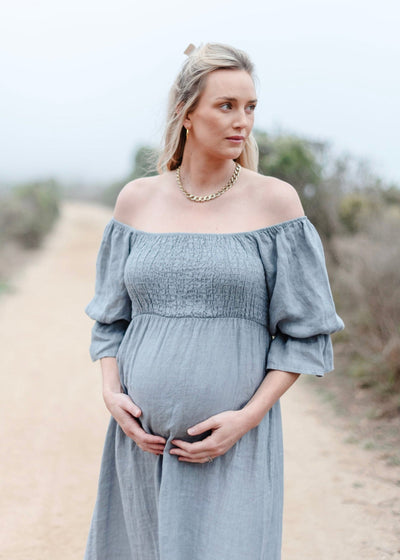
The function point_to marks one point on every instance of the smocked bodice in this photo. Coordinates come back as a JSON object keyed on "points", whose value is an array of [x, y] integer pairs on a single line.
{"points": [[196, 276]]}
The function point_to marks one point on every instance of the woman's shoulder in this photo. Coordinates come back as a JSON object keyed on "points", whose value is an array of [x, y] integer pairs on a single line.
{"points": [[278, 199], [133, 197]]}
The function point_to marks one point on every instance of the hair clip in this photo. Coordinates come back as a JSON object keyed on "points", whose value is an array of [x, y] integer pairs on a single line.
{"points": [[189, 49]]}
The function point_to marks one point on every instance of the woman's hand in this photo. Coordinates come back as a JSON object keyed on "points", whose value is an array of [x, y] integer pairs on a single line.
{"points": [[227, 428], [125, 412]]}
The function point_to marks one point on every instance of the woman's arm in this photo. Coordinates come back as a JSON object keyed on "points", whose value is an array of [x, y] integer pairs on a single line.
{"points": [[124, 410], [274, 385], [228, 427]]}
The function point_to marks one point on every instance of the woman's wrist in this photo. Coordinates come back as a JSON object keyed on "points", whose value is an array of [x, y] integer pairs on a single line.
{"points": [[273, 386], [250, 416], [111, 379], [109, 391]]}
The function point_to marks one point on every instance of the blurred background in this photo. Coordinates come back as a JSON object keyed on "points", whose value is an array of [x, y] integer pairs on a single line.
{"points": [[83, 98]]}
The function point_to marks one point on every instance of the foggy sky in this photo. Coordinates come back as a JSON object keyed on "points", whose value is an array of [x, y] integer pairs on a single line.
{"points": [[84, 82]]}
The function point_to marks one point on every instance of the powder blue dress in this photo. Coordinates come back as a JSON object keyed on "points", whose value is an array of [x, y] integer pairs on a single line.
{"points": [[196, 321]]}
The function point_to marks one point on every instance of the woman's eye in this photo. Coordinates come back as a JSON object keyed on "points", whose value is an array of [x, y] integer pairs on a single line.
{"points": [[251, 107], [226, 106]]}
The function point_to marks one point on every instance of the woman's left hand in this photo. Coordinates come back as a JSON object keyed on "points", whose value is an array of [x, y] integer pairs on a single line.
{"points": [[227, 428]]}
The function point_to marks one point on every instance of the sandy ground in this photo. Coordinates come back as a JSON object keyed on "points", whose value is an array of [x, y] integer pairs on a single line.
{"points": [[341, 501]]}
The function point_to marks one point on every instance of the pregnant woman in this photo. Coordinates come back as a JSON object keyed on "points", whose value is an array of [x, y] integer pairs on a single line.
{"points": [[211, 298]]}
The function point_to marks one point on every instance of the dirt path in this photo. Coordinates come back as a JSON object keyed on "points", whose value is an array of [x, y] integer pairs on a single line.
{"points": [[341, 503]]}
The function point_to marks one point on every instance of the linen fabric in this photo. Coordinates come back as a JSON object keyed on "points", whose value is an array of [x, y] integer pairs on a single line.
{"points": [[196, 321]]}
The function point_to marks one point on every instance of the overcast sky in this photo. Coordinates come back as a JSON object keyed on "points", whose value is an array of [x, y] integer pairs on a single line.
{"points": [[84, 82]]}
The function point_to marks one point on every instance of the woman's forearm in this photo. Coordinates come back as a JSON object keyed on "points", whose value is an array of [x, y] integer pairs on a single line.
{"points": [[273, 386], [110, 372]]}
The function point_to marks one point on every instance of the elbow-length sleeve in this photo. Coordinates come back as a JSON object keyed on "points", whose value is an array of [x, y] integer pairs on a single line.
{"points": [[301, 312], [111, 306]]}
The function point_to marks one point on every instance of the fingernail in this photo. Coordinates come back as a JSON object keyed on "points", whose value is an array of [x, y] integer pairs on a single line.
{"points": [[191, 431]]}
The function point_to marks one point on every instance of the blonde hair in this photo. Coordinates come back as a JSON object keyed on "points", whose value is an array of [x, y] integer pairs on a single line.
{"points": [[185, 94]]}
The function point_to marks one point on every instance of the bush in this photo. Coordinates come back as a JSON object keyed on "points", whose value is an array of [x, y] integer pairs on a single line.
{"points": [[358, 208], [28, 213], [368, 282]]}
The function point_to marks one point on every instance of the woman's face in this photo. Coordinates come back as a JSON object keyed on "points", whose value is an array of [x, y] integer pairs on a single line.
{"points": [[224, 115]]}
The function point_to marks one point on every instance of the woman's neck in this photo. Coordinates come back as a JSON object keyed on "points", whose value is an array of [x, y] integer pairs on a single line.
{"points": [[202, 175]]}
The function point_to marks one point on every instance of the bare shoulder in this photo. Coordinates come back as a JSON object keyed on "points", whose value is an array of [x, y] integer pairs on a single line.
{"points": [[132, 198], [279, 198]]}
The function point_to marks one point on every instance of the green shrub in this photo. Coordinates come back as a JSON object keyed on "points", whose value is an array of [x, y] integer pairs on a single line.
{"points": [[29, 212], [355, 210]]}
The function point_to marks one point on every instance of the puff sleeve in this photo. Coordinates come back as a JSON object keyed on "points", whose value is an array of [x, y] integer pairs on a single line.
{"points": [[301, 312], [111, 306]]}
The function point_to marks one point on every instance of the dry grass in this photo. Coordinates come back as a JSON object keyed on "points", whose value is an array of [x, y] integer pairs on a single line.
{"points": [[365, 387]]}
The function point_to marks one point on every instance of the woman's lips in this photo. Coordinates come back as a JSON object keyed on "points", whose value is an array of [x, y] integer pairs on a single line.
{"points": [[236, 139]]}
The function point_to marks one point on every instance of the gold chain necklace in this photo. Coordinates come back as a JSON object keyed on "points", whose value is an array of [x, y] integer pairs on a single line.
{"points": [[195, 198]]}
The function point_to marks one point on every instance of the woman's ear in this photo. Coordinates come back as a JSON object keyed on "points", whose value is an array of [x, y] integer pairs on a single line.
{"points": [[187, 123]]}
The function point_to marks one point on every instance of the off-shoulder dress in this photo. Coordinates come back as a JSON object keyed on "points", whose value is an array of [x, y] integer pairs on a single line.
{"points": [[196, 321]]}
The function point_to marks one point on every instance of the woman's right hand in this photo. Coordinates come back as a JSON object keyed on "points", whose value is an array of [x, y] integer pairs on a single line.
{"points": [[125, 412]]}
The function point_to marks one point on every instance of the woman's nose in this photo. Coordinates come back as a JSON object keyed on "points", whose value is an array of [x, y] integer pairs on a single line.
{"points": [[241, 119]]}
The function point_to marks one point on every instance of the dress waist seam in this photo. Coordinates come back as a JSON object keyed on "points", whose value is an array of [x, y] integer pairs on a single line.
{"points": [[201, 317]]}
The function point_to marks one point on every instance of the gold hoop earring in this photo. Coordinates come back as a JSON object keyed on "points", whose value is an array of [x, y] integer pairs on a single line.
{"points": [[187, 133]]}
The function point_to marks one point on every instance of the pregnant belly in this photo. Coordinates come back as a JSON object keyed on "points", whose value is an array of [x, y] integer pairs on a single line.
{"points": [[180, 371]]}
